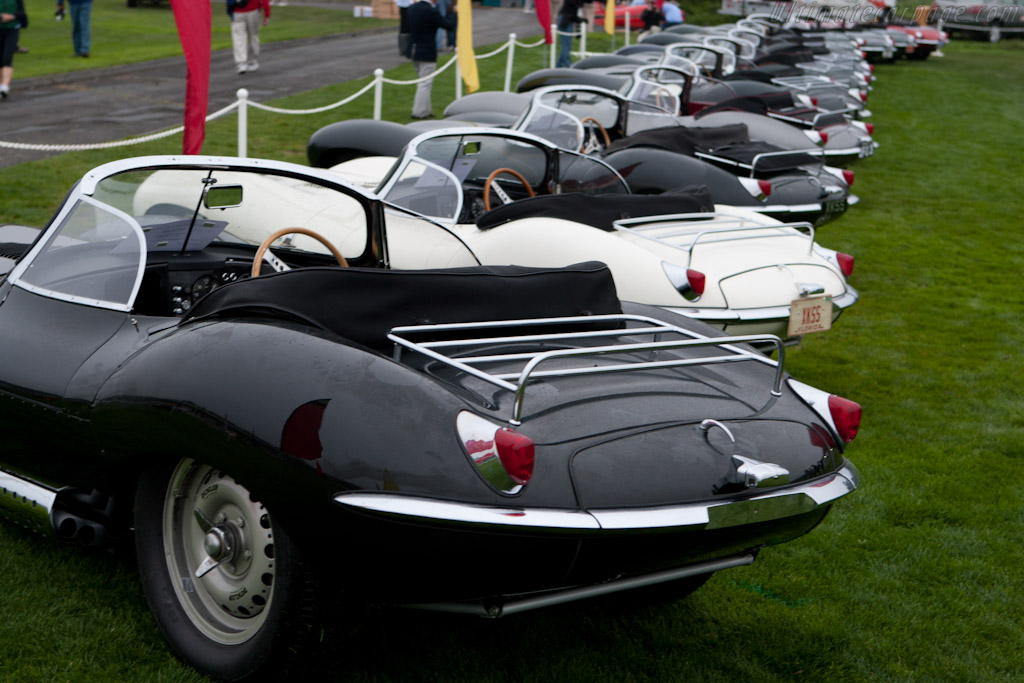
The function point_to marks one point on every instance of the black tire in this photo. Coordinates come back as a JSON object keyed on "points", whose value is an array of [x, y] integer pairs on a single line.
{"points": [[248, 616]]}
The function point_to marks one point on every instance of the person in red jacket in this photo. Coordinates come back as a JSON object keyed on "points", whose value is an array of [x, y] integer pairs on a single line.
{"points": [[246, 18]]}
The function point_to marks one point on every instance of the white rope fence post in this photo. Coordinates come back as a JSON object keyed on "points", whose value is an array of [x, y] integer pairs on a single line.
{"points": [[629, 20], [243, 121], [509, 61], [584, 29], [378, 93], [458, 75], [554, 32]]}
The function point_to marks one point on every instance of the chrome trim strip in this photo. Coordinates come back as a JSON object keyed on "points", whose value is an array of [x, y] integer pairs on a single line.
{"points": [[792, 208], [29, 502], [568, 595], [430, 509], [804, 497]]}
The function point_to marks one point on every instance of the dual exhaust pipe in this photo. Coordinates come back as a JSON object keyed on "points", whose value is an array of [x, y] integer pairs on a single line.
{"points": [[41, 509]]}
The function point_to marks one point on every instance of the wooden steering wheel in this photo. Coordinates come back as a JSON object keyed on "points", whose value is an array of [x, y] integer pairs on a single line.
{"points": [[494, 174], [257, 261], [604, 131]]}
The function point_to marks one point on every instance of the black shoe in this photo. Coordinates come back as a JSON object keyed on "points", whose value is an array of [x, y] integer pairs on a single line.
{"points": [[3, 95], [428, 116]]}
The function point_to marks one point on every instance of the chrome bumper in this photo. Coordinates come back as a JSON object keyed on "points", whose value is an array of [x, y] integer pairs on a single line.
{"points": [[757, 315], [784, 502]]}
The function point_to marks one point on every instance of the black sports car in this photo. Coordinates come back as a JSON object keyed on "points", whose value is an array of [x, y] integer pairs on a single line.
{"points": [[517, 434]]}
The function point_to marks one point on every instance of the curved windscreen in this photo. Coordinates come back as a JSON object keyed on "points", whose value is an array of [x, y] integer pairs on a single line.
{"points": [[426, 189], [206, 206], [559, 128], [578, 173], [95, 257]]}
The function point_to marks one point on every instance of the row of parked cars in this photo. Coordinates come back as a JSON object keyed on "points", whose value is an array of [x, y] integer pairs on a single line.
{"points": [[481, 365]]}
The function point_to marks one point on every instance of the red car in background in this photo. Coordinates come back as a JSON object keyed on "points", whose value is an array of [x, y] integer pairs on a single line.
{"points": [[621, 12]]}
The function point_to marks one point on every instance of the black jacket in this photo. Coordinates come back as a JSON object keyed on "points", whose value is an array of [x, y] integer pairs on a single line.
{"points": [[424, 20]]}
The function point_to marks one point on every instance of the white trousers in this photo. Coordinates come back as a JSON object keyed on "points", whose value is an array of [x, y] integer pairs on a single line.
{"points": [[421, 104], [245, 37]]}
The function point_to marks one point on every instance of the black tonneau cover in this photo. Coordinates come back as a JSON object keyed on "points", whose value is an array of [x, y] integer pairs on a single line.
{"points": [[364, 304], [730, 142], [602, 210]]}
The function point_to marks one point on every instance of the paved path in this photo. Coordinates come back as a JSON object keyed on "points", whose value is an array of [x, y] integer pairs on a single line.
{"points": [[100, 105]]}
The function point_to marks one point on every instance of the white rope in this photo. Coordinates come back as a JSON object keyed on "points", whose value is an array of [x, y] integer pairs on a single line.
{"points": [[249, 103], [435, 74], [537, 44], [318, 110], [495, 52], [116, 143]]}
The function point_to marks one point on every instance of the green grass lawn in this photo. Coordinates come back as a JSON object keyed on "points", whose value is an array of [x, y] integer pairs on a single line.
{"points": [[915, 577], [124, 35]]}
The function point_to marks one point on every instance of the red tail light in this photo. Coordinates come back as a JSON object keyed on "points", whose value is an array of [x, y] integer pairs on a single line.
{"points": [[870, 127], [848, 177], [845, 264], [872, 67], [846, 416], [696, 279], [516, 454], [863, 97], [824, 136], [766, 187], [814, 101]]}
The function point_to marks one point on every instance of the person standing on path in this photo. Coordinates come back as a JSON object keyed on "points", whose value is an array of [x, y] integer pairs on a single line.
{"points": [[424, 20], [12, 20], [568, 17], [246, 18], [81, 26]]}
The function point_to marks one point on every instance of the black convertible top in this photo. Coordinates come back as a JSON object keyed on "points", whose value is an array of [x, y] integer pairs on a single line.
{"points": [[364, 304], [601, 210], [729, 142], [684, 140]]}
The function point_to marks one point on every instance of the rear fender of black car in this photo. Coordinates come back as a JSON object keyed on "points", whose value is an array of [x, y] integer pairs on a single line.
{"points": [[293, 413]]}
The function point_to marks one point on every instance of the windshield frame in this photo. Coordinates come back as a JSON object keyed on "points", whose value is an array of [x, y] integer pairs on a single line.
{"points": [[84, 190]]}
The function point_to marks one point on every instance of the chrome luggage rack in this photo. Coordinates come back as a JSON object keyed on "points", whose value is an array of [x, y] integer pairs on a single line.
{"points": [[752, 166], [444, 351], [805, 83], [685, 230]]}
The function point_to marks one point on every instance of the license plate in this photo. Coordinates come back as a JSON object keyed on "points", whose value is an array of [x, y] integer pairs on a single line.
{"points": [[867, 148], [810, 315], [831, 208]]}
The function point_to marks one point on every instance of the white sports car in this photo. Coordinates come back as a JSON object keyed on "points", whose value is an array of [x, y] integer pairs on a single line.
{"points": [[733, 268]]}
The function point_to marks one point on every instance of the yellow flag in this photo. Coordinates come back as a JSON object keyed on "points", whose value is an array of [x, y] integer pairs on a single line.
{"points": [[609, 17], [464, 42]]}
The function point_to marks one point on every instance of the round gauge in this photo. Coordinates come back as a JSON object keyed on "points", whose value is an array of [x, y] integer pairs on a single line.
{"points": [[202, 287]]}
